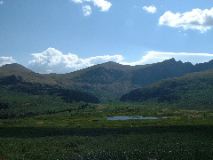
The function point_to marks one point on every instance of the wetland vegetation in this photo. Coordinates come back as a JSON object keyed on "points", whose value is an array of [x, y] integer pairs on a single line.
{"points": [[67, 117], [87, 134]]}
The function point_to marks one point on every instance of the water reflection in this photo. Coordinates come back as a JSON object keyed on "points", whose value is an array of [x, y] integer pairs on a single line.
{"points": [[124, 118]]}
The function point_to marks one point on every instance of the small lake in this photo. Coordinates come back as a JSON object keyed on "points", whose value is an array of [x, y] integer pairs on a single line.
{"points": [[124, 118]]}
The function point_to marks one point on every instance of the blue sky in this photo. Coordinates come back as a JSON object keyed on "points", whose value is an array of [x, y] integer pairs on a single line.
{"points": [[73, 34]]}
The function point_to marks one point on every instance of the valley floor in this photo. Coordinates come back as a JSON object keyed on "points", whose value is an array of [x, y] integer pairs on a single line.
{"points": [[86, 134]]}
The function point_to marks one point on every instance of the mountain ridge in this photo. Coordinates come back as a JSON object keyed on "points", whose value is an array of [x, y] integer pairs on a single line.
{"points": [[191, 90], [110, 80]]}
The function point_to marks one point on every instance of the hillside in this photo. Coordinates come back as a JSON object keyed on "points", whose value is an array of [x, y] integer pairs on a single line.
{"points": [[108, 81], [20, 98], [25, 74], [195, 89], [158, 71]]}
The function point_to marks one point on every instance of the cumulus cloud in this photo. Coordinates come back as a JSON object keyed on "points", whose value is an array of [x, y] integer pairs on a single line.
{"points": [[196, 19], [157, 56], [150, 9], [87, 10], [54, 61], [6, 60], [103, 5]]}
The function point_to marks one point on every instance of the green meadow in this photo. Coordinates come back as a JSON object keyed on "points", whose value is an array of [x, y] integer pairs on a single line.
{"points": [[84, 133]]}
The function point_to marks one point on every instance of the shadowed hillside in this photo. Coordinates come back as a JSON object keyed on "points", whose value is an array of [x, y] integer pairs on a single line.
{"points": [[108, 81], [195, 89]]}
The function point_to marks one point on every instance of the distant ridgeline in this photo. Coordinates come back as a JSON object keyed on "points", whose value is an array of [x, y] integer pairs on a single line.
{"points": [[104, 82]]}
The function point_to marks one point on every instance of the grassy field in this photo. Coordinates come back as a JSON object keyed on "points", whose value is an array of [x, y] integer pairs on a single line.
{"points": [[85, 133]]}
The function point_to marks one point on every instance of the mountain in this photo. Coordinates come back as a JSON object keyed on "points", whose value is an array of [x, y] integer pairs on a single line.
{"points": [[25, 74], [108, 81], [21, 98], [158, 71], [14, 83], [191, 90], [203, 66]]}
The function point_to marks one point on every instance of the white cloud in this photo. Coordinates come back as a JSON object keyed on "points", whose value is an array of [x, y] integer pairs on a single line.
{"points": [[6, 60], [196, 19], [150, 9], [87, 10], [77, 1], [157, 56], [53, 60], [103, 5], [1, 2]]}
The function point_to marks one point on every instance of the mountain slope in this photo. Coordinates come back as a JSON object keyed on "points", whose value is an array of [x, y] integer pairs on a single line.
{"points": [[25, 74], [195, 89], [20, 98], [111, 80], [108, 81], [158, 71], [16, 84]]}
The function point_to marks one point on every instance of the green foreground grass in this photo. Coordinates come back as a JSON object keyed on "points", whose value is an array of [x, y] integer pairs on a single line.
{"points": [[179, 134]]}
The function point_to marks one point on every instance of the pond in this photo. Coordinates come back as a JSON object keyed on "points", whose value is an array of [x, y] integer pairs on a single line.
{"points": [[124, 118]]}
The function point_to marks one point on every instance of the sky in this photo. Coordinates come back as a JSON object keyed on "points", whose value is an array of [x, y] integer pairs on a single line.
{"points": [[66, 35]]}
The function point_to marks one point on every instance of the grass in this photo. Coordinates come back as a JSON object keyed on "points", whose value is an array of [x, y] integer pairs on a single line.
{"points": [[162, 143], [85, 134]]}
